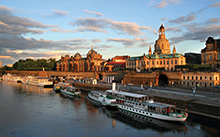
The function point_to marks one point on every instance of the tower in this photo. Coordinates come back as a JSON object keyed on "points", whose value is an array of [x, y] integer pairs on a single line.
{"points": [[162, 45], [149, 52], [174, 49]]}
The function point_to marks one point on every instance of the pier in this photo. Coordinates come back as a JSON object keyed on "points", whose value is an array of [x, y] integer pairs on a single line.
{"points": [[200, 104]]}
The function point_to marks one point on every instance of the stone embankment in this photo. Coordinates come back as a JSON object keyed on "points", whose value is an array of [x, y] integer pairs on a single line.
{"points": [[195, 105]]}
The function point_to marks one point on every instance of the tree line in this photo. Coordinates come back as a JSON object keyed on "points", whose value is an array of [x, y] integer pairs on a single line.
{"points": [[32, 65]]}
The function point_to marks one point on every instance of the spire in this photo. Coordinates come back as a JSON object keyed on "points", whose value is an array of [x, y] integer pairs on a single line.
{"points": [[174, 49], [150, 52], [91, 46]]}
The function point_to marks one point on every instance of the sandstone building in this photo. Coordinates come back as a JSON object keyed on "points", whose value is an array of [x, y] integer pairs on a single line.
{"points": [[161, 58], [210, 55], [201, 79], [116, 63], [92, 62]]}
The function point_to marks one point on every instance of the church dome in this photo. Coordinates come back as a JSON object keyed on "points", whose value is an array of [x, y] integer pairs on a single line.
{"points": [[92, 52], [77, 55], [162, 45]]}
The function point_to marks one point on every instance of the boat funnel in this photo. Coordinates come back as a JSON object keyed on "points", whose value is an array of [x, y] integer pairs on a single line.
{"points": [[113, 86]]}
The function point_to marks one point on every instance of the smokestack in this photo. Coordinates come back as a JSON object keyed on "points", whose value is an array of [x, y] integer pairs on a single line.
{"points": [[113, 86]]}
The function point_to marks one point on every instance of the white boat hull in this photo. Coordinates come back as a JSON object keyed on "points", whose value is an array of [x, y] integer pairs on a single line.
{"points": [[151, 114]]}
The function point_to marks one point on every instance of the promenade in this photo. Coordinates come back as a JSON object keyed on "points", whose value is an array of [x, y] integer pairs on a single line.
{"points": [[203, 103]]}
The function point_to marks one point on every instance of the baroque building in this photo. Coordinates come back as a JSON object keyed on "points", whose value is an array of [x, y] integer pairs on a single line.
{"points": [[92, 62], [210, 55], [116, 64], [161, 57]]}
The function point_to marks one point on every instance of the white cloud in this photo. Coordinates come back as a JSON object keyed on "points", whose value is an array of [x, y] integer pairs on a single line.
{"points": [[93, 12], [101, 24], [164, 3]]}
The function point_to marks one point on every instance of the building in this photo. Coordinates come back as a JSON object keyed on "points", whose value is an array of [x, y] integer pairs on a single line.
{"points": [[92, 62], [161, 58], [115, 64], [201, 79], [193, 58], [210, 55], [0, 64]]}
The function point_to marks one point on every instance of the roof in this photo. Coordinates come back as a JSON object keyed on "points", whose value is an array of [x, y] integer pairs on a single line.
{"points": [[126, 94], [156, 56], [112, 63]]}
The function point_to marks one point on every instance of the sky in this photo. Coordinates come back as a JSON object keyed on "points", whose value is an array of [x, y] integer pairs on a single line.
{"points": [[51, 28]]}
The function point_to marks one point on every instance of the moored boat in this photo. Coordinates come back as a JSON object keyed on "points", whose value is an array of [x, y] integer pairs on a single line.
{"points": [[37, 81], [103, 99], [140, 104], [12, 78], [57, 87], [70, 91]]}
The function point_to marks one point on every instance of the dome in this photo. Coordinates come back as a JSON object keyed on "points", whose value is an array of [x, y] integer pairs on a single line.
{"points": [[162, 46], [77, 55], [92, 52]]}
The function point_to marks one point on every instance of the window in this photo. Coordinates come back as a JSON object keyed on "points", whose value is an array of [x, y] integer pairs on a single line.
{"points": [[210, 78], [188, 77], [200, 77], [171, 61], [152, 62], [164, 62], [205, 78], [175, 61], [157, 62], [216, 78], [147, 62], [161, 62], [218, 56], [192, 77], [210, 57], [196, 78], [183, 77], [167, 62]]}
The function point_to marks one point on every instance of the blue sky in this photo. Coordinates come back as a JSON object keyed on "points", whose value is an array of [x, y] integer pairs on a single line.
{"points": [[51, 28]]}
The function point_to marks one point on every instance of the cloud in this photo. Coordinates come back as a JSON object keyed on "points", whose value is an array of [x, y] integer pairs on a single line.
{"points": [[57, 13], [183, 19], [101, 24], [197, 32], [93, 12], [96, 41], [164, 3], [212, 21], [129, 42], [62, 30], [11, 24], [7, 57], [217, 4]]}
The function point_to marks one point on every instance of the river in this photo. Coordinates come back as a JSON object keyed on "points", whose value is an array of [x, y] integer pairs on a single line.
{"points": [[31, 111]]}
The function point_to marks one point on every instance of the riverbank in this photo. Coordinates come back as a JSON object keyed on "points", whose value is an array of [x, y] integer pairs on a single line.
{"points": [[198, 105]]}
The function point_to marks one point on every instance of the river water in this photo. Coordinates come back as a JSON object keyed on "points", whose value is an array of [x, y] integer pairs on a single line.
{"points": [[31, 111]]}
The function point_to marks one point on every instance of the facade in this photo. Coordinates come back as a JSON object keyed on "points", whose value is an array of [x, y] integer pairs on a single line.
{"points": [[116, 63], [210, 55], [201, 79], [0, 64], [92, 62], [162, 58]]}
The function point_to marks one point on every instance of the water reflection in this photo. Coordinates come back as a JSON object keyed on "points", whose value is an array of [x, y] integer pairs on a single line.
{"points": [[28, 110], [28, 89]]}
